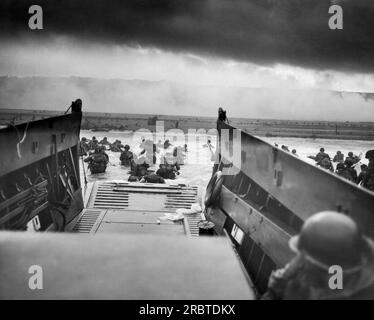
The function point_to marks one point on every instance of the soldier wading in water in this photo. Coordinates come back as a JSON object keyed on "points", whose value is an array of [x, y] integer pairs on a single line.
{"points": [[97, 161]]}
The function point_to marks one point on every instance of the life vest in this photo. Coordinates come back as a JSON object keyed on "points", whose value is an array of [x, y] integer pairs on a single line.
{"points": [[154, 178], [213, 189], [339, 158], [166, 173]]}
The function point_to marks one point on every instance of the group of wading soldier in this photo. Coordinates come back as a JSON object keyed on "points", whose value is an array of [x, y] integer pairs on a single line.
{"points": [[168, 169], [345, 168], [98, 158], [139, 165]]}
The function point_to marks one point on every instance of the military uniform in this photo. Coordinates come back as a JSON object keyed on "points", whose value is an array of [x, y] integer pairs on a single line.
{"points": [[83, 147], [299, 280], [353, 173], [116, 146], [126, 157], [326, 239], [326, 164], [352, 158], [97, 162], [104, 142], [93, 144], [320, 156], [339, 157], [346, 172], [368, 179]]}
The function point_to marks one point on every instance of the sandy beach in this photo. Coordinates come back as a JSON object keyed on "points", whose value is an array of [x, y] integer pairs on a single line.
{"points": [[261, 127]]}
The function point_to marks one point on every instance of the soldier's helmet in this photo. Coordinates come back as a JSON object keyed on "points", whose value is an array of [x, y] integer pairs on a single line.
{"points": [[330, 238], [127, 147]]}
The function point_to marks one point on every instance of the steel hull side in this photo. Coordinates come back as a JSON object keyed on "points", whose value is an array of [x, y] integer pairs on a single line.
{"points": [[301, 187]]}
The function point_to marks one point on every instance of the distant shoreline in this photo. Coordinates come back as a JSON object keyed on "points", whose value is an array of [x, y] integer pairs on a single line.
{"points": [[259, 127]]}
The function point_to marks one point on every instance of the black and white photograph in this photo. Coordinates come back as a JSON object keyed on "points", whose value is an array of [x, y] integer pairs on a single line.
{"points": [[187, 155]]}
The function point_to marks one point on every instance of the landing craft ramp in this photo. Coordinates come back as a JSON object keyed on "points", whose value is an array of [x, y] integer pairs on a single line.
{"points": [[119, 266], [124, 207], [134, 253]]}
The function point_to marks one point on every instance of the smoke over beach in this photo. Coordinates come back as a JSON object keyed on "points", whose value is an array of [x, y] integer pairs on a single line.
{"points": [[161, 97]]}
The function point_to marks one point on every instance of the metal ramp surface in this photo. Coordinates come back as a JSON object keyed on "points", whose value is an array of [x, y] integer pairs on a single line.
{"points": [[142, 196], [138, 208]]}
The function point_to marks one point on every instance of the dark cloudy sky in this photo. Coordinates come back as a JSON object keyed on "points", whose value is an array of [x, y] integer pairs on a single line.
{"points": [[254, 43]]}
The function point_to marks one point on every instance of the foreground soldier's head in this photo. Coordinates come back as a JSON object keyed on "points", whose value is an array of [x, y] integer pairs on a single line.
{"points": [[327, 241], [330, 238]]}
